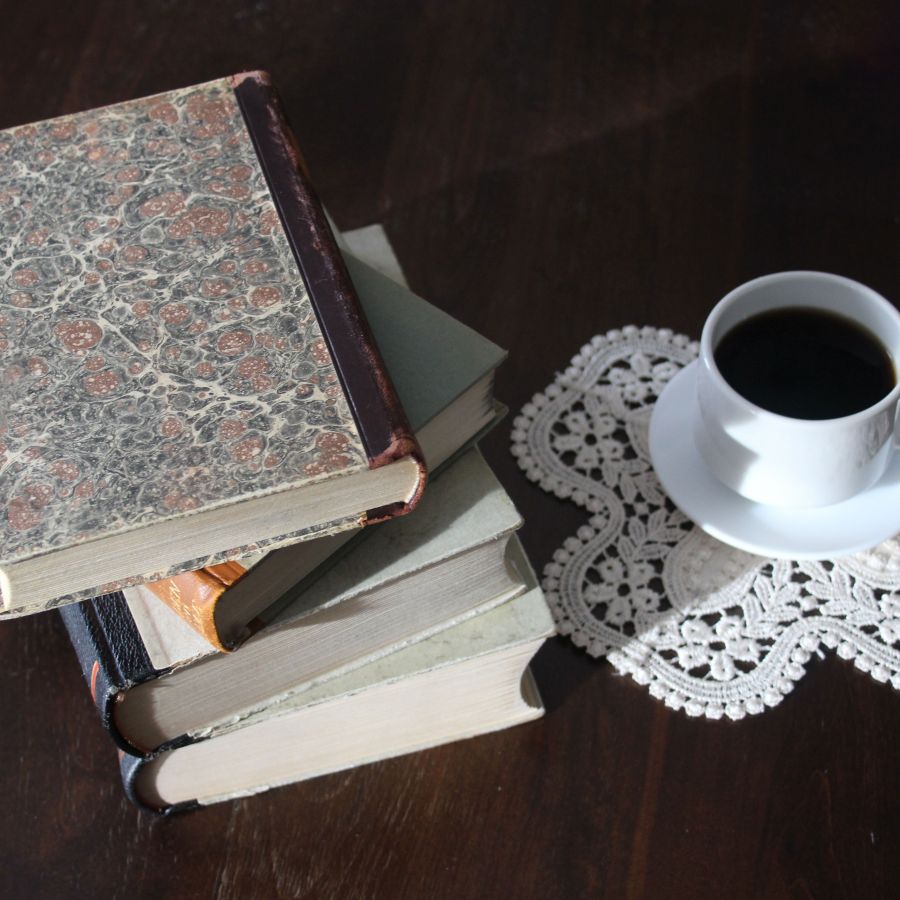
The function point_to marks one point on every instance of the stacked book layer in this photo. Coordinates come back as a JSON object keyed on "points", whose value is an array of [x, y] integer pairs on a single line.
{"points": [[216, 467]]}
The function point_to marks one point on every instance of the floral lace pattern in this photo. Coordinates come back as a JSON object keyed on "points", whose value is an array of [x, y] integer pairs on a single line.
{"points": [[709, 629]]}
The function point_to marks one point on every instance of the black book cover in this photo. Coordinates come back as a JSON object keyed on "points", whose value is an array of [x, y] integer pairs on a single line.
{"points": [[112, 656], [129, 769], [113, 659]]}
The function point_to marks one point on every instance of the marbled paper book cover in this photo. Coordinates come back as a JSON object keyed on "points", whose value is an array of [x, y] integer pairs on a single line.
{"points": [[178, 335]]}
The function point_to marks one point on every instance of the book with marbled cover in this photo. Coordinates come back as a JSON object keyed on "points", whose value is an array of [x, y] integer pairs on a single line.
{"points": [[183, 358], [433, 360]]}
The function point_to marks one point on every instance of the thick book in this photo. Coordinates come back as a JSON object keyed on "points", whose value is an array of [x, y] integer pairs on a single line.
{"points": [[156, 683], [187, 375], [471, 679], [443, 372]]}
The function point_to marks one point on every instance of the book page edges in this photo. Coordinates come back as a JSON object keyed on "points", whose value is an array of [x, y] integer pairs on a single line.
{"points": [[527, 712], [505, 621], [523, 623], [307, 693], [464, 508], [218, 526]]}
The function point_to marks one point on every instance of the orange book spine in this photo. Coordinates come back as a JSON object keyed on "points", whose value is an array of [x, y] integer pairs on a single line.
{"points": [[193, 596]]}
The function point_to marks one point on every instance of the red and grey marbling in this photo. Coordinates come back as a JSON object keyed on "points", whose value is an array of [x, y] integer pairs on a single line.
{"points": [[159, 354]]}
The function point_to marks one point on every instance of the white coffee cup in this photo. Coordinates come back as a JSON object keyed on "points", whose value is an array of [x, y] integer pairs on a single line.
{"points": [[782, 461]]}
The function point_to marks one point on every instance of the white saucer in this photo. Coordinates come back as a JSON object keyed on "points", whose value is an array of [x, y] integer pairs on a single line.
{"points": [[821, 533]]}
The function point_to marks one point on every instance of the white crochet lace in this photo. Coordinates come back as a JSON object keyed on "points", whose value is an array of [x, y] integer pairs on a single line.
{"points": [[708, 628]]}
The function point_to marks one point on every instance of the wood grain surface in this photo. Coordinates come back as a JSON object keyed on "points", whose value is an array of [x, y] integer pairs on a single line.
{"points": [[546, 171]]}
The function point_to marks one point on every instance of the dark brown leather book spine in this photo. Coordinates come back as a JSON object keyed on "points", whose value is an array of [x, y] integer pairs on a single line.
{"points": [[130, 769], [379, 417]]}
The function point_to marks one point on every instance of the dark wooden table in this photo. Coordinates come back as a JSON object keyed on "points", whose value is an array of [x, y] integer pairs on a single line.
{"points": [[546, 171]]}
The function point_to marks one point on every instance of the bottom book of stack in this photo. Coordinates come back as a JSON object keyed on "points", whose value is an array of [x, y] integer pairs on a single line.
{"points": [[421, 635], [471, 679]]}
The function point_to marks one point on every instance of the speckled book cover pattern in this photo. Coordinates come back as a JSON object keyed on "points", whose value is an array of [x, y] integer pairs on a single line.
{"points": [[177, 330]]}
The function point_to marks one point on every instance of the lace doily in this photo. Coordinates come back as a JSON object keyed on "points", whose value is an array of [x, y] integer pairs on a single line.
{"points": [[707, 628]]}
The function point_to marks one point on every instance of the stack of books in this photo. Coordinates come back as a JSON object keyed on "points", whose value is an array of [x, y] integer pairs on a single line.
{"points": [[217, 422]]}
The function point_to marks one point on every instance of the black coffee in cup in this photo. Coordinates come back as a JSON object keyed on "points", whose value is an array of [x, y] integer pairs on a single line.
{"points": [[805, 363]]}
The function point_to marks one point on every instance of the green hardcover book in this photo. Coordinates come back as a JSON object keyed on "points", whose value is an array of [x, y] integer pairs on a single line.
{"points": [[470, 679]]}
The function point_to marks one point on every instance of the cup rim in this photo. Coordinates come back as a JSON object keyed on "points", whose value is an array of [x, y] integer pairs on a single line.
{"points": [[707, 356]]}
